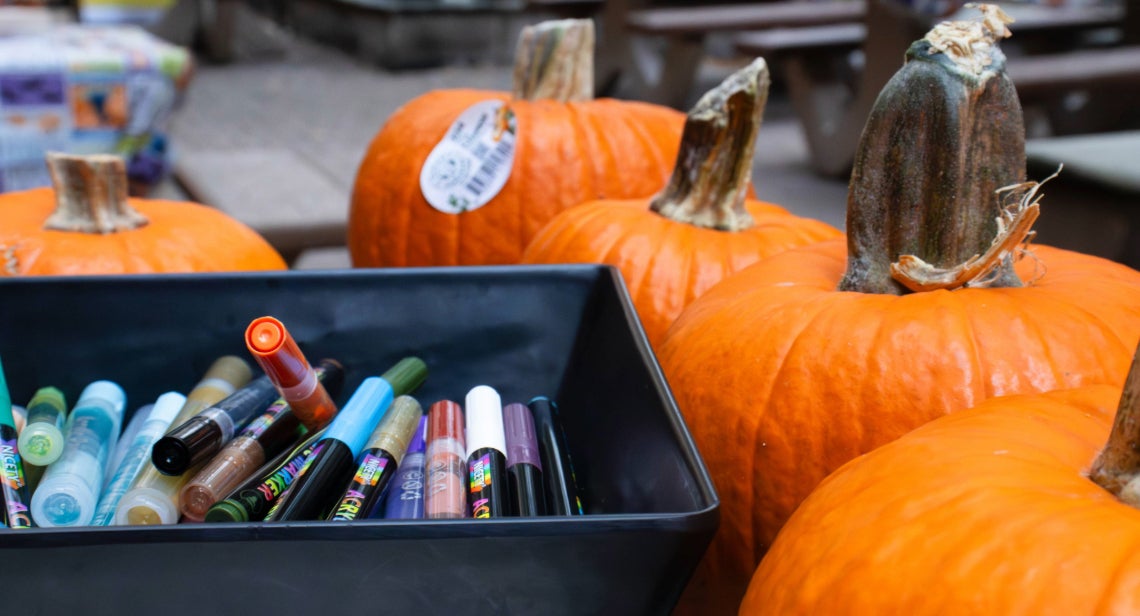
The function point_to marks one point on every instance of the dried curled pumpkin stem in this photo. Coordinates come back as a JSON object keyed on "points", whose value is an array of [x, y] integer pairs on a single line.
{"points": [[714, 164], [555, 60], [1117, 468], [1015, 231], [944, 135], [90, 194]]}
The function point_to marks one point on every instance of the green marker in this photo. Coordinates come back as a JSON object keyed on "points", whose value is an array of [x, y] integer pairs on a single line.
{"points": [[41, 441], [13, 489]]}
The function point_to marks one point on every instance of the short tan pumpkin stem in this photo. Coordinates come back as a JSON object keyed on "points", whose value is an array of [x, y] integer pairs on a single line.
{"points": [[1117, 468], [944, 136], [714, 164], [90, 194], [555, 60]]}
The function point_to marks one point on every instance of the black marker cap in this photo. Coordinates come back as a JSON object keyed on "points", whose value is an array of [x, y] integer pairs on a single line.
{"points": [[187, 445]]}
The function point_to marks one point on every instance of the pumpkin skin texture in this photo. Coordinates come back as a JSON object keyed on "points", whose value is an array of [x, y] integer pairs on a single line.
{"points": [[986, 511], [566, 154], [180, 237], [781, 378], [666, 264]]}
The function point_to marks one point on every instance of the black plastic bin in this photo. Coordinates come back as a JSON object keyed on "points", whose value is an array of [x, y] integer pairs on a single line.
{"points": [[568, 332]]}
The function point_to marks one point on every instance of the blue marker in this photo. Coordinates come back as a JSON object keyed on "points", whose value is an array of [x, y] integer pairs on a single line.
{"points": [[406, 496], [326, 473], [70, 489]]}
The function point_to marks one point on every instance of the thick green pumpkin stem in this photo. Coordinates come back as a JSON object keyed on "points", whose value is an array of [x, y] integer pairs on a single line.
{"points": [[90, 194], [714, 164], [945, 134], [555, 60], [1117, 468]]}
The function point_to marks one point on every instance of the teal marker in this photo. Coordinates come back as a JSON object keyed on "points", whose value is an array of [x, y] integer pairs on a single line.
{"points": [[13, 488], [69, 491], [41, 440]]}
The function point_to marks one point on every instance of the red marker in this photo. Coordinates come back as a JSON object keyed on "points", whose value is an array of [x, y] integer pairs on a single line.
{"points": [[280, 357]]}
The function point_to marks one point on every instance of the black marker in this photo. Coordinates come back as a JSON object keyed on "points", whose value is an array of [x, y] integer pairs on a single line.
{"points": [[562, 494], [252, 500], [486, 454], [524, 468], [203, 435]]}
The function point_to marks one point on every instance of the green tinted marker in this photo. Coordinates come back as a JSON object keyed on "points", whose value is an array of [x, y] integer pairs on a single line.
{"points": [[13, 489], [41, 441]]}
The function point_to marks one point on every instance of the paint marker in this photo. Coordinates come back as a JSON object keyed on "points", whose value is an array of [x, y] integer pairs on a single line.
{"points": [[446, 495], [486, 454], [70, 488], [405, 500], [280, 357], [252, 501], [204, 434], [14, 494], [524, 466], [41, 440], [265, 437], [137, 454], [379, 462], [127, 439], [562, 493], [153, 497], [314, 493]]}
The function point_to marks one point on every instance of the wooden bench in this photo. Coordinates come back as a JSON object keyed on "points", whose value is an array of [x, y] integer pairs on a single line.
{"points": [[667, 76], [832, 110]]}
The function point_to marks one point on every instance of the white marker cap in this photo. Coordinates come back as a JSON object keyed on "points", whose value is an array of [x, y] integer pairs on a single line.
{"points": [[485, 420], [167, 406]]}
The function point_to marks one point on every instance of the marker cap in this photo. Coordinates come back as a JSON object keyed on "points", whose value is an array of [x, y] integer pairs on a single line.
{"points": [[106, 394], [445, 420], [167, 406], [522, 440], [357, 419], [227, 511], [419, 437], [485, 420], [277, 353], [408, 374], [49, 396], [397, 428], [145, 506]]}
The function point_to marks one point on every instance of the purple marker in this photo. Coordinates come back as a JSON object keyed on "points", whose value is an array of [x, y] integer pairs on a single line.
{"points": [[406, 496], [524, 464]]}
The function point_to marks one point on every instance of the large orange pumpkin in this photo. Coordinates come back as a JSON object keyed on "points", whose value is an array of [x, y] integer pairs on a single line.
{"points": [[673, 247], [568, 150], [987, 511], [782, 377], [87, 225]]}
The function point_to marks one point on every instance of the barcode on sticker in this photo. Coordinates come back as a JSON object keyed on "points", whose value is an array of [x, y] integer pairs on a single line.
{"points": [[490, 167], [473, 161]]}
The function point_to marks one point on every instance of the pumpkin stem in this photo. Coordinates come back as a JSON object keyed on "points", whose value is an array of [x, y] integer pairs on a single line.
{"points": [[944, 136], [714, 163], [555, 60], [90, 194], [1117, 468]]}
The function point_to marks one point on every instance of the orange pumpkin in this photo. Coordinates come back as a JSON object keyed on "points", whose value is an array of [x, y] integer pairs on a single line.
{"points": [[782, 377], [87, 225], [987, 511], [672, 248], [568, 150]]}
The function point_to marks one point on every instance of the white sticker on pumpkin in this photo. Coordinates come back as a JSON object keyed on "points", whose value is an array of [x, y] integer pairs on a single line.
{"points": [[473, 161]]}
